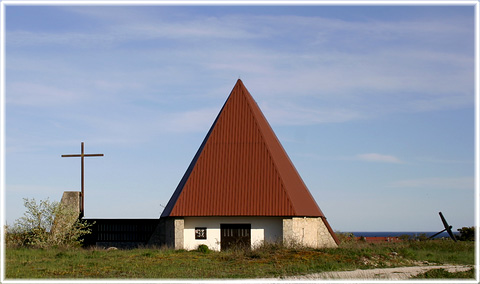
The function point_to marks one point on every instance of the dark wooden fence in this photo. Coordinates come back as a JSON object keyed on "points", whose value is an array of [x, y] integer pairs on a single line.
{"points": [[120, 232]]}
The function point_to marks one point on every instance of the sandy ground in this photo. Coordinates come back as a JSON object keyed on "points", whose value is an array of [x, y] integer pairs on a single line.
{"points": [[398, 273]]}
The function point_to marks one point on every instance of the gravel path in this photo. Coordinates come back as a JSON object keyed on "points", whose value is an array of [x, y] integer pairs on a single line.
{"points": [[397, 273]]}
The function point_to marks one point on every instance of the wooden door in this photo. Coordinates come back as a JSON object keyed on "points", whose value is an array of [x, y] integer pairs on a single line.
{"points": [[235, 236]]}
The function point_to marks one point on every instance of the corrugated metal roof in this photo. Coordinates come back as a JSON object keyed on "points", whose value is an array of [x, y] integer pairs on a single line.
{"points": [[241, 169]]}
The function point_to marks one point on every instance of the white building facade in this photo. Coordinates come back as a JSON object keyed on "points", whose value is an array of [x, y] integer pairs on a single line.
{"points": [[269, 229], [218, 232]]}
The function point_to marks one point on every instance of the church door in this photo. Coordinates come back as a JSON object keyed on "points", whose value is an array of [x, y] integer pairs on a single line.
{"points": [[235, 235]]}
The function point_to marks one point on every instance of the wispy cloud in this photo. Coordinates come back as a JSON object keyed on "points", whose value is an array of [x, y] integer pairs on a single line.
{"points": [[187, 30], [375, 157], [281, 59], [191, 121], [39, 39], [436, 183], [434, 160], [292, 114], [33, 190], [40, 94]]}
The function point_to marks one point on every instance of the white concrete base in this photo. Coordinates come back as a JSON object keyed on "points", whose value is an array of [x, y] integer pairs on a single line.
{"points": [[263, 229]]}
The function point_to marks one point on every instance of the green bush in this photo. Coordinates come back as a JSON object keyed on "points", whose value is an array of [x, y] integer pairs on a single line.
{"points": [[46, 224], [203, 249], [443, 274], [422, 237], [405, 237], [345, 237], [467, 234]]}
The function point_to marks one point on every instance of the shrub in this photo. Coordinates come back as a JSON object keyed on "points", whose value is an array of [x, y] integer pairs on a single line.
{"points": [[421, 237], [345, 237], [405, 237], [203, 249], [46, 224], [443, 274], [467, 234]]}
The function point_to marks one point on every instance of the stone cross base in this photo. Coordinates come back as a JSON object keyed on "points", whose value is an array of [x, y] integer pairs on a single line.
{"points": [[72, 199]]}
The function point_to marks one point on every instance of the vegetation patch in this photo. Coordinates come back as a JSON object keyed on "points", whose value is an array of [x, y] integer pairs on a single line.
{"points": [[46, 224], [267, 261], [443, 274]]}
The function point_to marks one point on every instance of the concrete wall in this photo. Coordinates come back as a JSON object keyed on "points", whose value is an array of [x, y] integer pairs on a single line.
{"points": [[307, 231], [263, 229]]}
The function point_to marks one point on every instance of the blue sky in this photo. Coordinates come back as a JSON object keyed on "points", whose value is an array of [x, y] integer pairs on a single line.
{"points": [[374, 105]]}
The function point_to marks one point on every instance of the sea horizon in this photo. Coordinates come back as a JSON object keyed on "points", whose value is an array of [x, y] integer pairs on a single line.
{"points": [[399, 233]]}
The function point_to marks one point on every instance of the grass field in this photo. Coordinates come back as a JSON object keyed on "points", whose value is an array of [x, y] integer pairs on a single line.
{"points": [[265, 262]]}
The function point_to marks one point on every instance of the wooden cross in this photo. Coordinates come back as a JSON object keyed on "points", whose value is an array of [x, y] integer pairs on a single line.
{"points": [[82, 155]]}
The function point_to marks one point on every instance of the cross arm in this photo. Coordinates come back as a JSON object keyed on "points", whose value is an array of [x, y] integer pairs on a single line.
{"points": [[84, 155]]}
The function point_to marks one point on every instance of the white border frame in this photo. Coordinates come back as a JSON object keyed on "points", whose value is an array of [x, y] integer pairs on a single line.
{"points": [[474, 3]]}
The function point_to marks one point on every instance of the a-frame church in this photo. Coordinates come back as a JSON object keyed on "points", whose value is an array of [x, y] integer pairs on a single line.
{"points": [[241, 188]]}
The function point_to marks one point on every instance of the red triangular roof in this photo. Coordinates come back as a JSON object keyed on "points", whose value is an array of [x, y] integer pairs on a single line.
{"points": [[241, 169]]}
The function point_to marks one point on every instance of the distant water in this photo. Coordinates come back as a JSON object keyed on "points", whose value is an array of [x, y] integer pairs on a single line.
{"points": [[396, 234]]}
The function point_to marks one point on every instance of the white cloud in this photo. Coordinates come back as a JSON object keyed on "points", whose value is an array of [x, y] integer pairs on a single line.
{"points": [[33, 190], [375, 157], [436, 183], [292, 114], [207, 28], [191, 121], [445, 161], [340, 84], [82, 40], [35, 94]]}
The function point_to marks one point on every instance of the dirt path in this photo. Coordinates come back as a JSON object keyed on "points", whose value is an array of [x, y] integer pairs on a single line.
{"points": [[398, 273]]}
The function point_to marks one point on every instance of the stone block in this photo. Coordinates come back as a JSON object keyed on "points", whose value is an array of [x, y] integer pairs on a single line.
{"points": [[307, 232], [72, 199]]}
